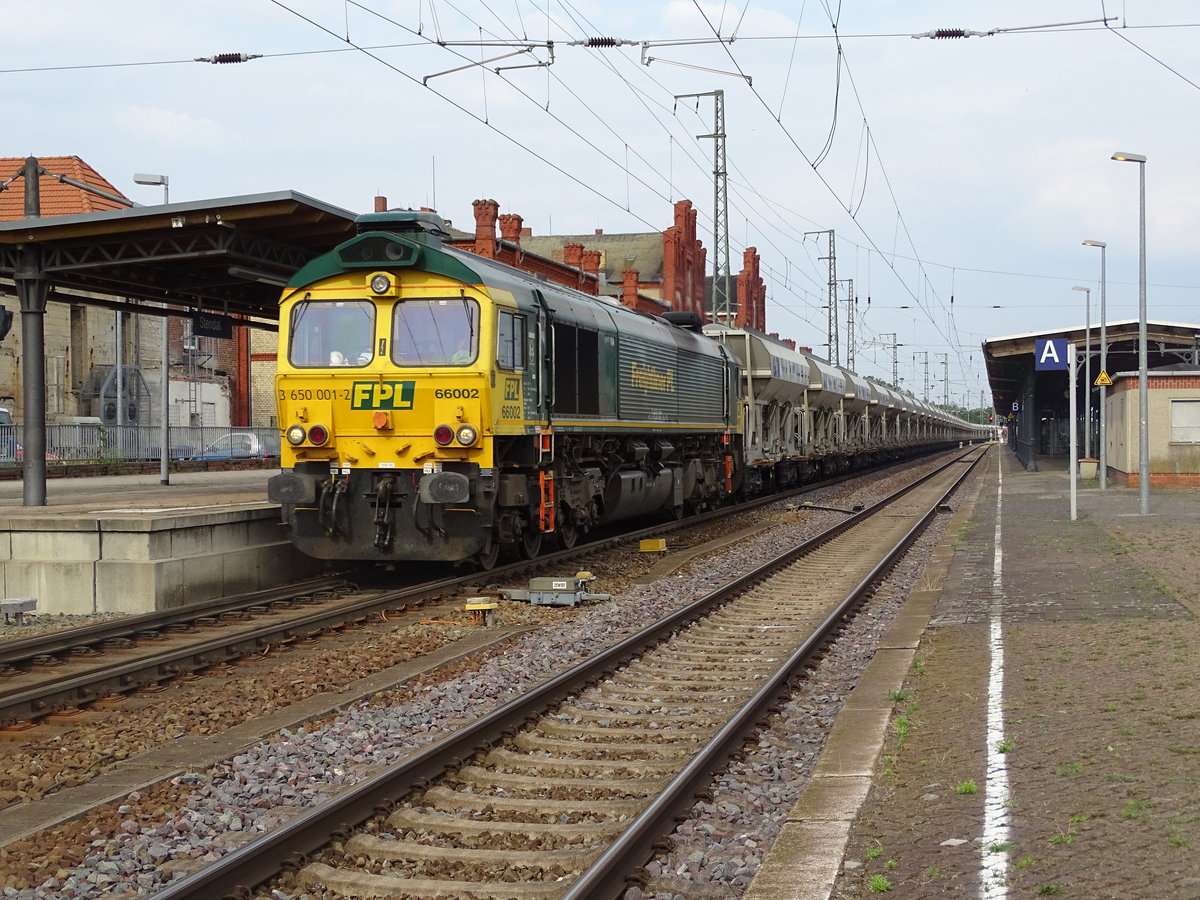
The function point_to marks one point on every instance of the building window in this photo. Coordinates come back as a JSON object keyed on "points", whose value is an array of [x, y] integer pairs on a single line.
{"points": [[1185, 421]]}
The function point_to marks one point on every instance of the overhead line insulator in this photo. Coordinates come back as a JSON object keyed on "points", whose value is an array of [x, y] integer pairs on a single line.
{"points": [[226, 58]]}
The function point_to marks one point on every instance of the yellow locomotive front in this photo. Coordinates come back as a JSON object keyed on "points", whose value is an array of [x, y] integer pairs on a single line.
{"points": [[384, 395]]}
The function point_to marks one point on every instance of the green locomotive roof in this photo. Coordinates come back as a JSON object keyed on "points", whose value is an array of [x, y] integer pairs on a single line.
{"points": [[386, 241]]}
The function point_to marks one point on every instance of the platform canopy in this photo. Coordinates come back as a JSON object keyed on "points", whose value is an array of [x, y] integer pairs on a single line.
{"points": [[228, 255], [1010, 359]]}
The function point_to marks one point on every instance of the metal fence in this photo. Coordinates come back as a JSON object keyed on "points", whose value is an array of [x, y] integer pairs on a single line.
{"points": [[95, 443]]}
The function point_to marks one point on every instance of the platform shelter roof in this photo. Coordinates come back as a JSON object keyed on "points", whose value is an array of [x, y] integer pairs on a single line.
{"points": [[228, 255], [1010, 359]]}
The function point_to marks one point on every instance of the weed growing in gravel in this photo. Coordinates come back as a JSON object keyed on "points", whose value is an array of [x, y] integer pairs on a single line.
{"points": [[1069, 768], [932, 872], [878, 884], [1006, 746], [1120, 779], [965, 787], [1024, 862], [891, 864], [1079, 817], [1125, 731], [999, 848], [918, 667], [873, 852], [902, 728], [1110, 707], [898, 696], [1047, 890], [1176, 841], [1064, 837]]}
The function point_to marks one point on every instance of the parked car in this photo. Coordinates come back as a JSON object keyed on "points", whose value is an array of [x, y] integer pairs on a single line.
{"points": [[8, 440], [238, 445]]}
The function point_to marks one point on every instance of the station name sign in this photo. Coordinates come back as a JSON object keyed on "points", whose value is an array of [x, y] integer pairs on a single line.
{"points": [[212, 325]]}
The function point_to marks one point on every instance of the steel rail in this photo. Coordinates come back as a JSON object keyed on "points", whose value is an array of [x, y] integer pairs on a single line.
{"points": [[23, 650], [87, 687], [609, 875], [288, 846]]}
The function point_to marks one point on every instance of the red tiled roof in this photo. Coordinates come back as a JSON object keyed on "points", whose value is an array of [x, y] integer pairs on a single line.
{"points": [[57, 198]]}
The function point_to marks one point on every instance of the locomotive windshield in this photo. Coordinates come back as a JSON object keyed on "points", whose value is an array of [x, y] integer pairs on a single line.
{"points": [[438, 332], [327, 333]]}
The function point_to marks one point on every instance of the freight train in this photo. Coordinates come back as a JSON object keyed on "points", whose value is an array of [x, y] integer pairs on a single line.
{"points": [[437, 405]]}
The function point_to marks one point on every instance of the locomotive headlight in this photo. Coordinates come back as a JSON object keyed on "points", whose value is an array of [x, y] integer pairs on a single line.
{"points": [[380, 283], [443, 435], [296, 435], [318, 434], [467, 435]]}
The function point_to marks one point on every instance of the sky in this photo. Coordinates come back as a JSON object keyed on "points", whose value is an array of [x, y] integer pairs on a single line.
{"points": [[959, 176]]}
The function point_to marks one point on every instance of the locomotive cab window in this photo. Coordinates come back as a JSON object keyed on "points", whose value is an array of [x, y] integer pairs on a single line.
{"points": [[325, 333], [510, 341], [437, 332]]}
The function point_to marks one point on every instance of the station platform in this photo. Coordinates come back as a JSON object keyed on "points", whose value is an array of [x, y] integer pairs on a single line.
{"points": [[1029, 726], [130, 544]]}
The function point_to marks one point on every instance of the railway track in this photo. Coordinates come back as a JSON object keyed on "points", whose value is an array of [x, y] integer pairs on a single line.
{"points": [[60, 673], [564, 792]]}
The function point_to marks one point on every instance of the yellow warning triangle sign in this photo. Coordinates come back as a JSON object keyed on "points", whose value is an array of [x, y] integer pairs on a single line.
{"points": [[1102, 380]]}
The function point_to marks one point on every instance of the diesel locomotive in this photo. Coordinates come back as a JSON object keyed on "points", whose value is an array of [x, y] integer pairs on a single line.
{"points": [[437, 405]]}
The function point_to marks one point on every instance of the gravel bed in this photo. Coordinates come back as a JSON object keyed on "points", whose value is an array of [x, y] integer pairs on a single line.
{"points": [[39, 624], [131, 849]]}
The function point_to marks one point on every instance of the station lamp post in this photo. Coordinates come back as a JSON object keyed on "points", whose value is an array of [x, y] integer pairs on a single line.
{"points": [[1103, 364], [1087, 370], [164, 465], [1143, 394], [143, 178]]}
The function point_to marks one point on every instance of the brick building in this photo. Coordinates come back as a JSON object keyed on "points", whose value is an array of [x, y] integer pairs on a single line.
{"points": [[652, 271], [1173, 426]]}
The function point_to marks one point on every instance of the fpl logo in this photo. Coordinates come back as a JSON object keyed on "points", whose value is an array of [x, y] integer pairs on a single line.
{"points": [[382, 395]]}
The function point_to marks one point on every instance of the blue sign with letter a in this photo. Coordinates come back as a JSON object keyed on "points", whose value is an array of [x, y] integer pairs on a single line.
{"points": [[1050, 353]]}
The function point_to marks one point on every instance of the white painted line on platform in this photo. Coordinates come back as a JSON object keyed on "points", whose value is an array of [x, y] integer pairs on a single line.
{"points": [[993, 880]]}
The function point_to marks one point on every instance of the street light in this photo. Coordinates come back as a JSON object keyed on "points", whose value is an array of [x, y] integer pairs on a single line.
{"points": [[1087, 371], [1143, 394], [1103, 364], [143, 178], [164, 463]]}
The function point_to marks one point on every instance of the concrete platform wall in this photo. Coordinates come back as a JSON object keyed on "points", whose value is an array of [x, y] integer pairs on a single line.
{"points": [[144, 560]]}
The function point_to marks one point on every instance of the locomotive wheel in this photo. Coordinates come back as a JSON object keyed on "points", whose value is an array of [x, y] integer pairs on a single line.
{"points": [[567, 535], [531, 543], [487, 558]]}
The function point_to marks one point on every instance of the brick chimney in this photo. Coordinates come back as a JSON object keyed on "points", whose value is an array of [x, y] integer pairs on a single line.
{"points": [[510, 228], [629, 287], [380, 203], [486, 212]]}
